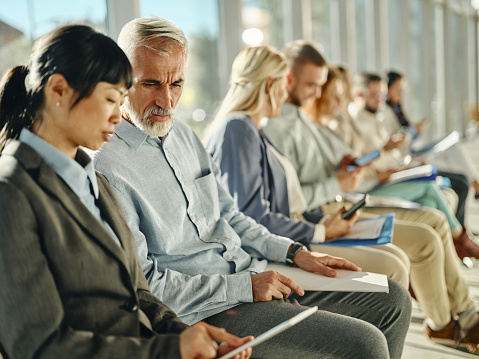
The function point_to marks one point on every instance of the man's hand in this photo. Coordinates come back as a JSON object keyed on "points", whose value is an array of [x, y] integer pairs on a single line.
{"points": [[349, 180], [397, 140], [336, 226], [199, 341], [323, 263], [422, 126], [271, 285]]}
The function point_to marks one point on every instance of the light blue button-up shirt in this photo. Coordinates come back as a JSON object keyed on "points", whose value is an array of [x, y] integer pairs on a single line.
{"points": [[78, 174], [196, 249]]}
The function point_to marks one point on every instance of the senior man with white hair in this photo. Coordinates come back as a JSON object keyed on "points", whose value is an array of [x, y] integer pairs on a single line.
{"points": [[200, 255]]}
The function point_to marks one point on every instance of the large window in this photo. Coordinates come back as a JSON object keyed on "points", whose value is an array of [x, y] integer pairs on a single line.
{"points": [[199, 22], [434, 43], [325, 28], [363, 32], [265, 16], [23, 21]]}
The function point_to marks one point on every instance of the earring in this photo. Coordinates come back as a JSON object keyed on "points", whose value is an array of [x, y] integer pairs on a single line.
{"points": [[57, 104]]}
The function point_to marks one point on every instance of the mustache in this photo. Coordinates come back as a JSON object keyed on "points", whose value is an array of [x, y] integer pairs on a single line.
{"points": [[157, 110]]}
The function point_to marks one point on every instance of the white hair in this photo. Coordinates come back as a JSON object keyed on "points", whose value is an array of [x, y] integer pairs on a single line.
{"points": [[149, 126], [154, 33]]}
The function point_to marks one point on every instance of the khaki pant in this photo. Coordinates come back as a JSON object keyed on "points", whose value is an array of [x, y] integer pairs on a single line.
{"points": [[424, 235]]}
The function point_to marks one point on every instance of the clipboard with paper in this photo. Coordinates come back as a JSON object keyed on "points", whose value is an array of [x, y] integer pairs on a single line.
{"points": [[367, 232]]}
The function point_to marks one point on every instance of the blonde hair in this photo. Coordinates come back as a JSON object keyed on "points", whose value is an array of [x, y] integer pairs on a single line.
{"points": [[251, 70], [142, 32]]}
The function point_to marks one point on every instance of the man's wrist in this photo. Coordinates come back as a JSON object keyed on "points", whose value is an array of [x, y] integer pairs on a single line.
{"points": [[293, 251]]}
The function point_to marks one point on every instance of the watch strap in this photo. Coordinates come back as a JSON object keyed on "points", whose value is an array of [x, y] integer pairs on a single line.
{"points": [[295, 248]]}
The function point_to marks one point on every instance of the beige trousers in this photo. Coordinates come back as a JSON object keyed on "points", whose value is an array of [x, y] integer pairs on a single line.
{"points": [[424, 235]]}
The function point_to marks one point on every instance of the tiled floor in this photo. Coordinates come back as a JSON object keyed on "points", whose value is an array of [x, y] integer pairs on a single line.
{"points": [[417, 345]]}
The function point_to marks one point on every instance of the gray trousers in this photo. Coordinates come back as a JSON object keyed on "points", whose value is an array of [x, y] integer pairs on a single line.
{"points": [[348, 325]]}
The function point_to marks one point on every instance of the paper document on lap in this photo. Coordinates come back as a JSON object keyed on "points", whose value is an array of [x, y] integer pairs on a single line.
{"points": [[381, 201], [366, 229], [346, 281], [420, 172]]}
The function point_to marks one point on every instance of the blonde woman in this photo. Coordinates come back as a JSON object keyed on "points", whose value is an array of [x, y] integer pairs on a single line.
{"points": [[262, 181]]}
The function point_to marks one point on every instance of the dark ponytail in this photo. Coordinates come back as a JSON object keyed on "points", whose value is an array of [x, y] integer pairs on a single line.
{"points": [[14, 103], [79, 53]]}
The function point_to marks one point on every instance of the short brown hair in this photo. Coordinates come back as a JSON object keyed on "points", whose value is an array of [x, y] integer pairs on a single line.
{"points": [[300, 52]]}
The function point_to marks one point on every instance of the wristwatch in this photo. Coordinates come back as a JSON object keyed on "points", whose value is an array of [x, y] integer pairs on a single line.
{"points": [[295, 248]]}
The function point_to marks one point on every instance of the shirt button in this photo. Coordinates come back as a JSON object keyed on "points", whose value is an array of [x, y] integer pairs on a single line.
{"points": [[215, 239], [182, 182], [229, 256], [193, 218], [275, 258]]}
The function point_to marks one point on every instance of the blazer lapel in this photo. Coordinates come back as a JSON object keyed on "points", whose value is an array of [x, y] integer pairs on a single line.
{"points": [[46, 177], [113, 214], [279, 189]]}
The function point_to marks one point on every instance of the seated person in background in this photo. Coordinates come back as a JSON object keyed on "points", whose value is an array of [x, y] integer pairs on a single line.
{"points": [[453, 163], [394, 117], [200, 254], [344, 124], [435, 275], [259, 177], [71, 283], [373, 89]]}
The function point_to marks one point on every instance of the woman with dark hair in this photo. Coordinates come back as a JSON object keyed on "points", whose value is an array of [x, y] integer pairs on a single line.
{"points": [[71, 283]]}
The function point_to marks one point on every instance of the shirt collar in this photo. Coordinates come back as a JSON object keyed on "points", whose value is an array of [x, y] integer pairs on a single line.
{"points": [[370, 110], [289, 109], [135, 137], [73, 172]]}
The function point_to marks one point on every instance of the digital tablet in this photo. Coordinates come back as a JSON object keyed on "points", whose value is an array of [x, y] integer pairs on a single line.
{"points": [[272, 332]]}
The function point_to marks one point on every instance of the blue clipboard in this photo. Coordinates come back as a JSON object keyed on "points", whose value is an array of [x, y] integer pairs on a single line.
{"points": [[384, 237]]}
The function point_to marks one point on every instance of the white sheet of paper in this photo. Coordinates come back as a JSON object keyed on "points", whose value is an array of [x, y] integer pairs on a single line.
{"points": [[366, 229], [392, 202], [446, 142], [381, 201], [416, 172], [346, 281]]}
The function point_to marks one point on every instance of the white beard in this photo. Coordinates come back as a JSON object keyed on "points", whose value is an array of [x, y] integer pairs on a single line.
{"points": [[149, 126]]}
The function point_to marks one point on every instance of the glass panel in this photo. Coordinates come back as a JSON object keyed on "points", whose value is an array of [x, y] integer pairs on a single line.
{"points": [[456, 85], [266, 16], [23, 21], [362, 19], [395, 30], [323, 27], [416, 106], [202, 91]]}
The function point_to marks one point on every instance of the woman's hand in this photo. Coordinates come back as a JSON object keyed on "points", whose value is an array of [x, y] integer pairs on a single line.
{"points": [[200, 341]]}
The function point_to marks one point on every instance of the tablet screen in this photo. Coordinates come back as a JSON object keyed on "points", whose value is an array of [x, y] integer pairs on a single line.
{"points": [[272, 332]]}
